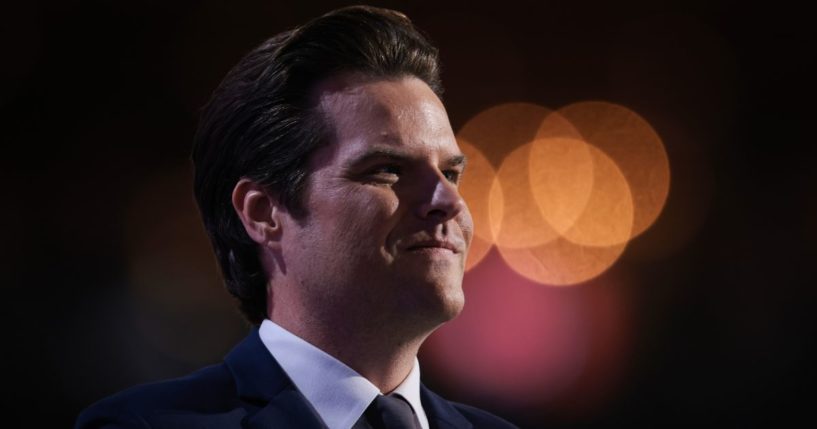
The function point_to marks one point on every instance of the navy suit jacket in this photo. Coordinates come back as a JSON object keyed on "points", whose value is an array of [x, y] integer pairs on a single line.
{"points": [[248, 390]]}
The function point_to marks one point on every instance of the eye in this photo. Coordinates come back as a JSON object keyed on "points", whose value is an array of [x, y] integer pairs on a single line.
{"points": [[388, 173], [387, 169], [453, 176]]}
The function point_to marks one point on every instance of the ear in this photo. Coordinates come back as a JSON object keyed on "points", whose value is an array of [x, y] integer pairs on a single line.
{"points": [[259, 211]]}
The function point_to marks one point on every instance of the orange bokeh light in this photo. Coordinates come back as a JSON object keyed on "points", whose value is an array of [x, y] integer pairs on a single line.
{"points": [[560, 195], [607, 218], [479, 176], [561, 262], [561, 179], [572, 187], [498, 130], [515, 219], [596, 221], [634, 146]]}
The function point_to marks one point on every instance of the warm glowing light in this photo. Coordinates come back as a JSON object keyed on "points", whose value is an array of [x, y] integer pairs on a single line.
{"points": [[556, 125], [561, 262], [607, 218], [634, 146], [560, 195], [474, 187], [479, 248], [500, 129], [570, 189], [516, 221], [561, 172], [561, 179], [515, 342], [520, 345], [596, 223]]}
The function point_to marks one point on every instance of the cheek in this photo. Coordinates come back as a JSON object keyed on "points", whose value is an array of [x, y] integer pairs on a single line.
{"points": [[366, 213]]}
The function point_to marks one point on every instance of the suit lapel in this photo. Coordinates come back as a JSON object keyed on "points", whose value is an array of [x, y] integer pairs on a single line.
{"points": [[441, 414], [274, 402], [271, 397], [288, 410]]}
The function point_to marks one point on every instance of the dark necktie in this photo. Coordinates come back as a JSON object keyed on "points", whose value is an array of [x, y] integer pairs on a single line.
{"points": [[388, 412]]}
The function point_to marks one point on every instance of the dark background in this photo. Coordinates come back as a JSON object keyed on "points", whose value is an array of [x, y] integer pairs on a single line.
{"points": [[109, 280]]}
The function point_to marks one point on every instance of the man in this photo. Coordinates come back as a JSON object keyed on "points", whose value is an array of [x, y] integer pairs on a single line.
{"points": [[326, 176]]}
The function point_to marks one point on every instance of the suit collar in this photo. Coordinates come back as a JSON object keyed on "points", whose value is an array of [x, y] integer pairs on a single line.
{"points": [[257, 375], [441, 414], [261, 382], [287, 410]]}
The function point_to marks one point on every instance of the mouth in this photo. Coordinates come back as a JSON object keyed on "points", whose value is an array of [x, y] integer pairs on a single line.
{"points": [[431, 245]]}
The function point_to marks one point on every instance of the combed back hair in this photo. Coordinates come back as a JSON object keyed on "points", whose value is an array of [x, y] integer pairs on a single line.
{"points": [[261, 123]]}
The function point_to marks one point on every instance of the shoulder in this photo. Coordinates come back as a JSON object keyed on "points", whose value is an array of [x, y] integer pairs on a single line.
{"points": [[457, 415], [210, 390], [481, 418]]}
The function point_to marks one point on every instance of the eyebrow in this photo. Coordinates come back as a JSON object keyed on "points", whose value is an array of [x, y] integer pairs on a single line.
{"points": [[396, 155]]}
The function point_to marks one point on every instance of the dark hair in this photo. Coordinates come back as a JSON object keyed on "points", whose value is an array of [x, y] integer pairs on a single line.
{"points": [[259, 123]]}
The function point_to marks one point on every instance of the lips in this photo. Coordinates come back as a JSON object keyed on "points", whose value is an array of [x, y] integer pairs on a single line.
{"points": [[436, 244]]}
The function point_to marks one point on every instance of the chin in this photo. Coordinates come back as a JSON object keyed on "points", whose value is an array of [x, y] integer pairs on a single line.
{"points": [[446, 300], [454, 299], [453, 309], [431, 294]]}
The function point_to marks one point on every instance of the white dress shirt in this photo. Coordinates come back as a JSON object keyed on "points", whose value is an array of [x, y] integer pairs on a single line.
{"points": [[338, 393]]}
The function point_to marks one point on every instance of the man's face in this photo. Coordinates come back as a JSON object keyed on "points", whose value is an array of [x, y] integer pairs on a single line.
{"points": [[386, 232]]}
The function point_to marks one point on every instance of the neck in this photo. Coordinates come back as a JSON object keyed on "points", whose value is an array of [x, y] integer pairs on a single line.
{"points": [[378, 348]]}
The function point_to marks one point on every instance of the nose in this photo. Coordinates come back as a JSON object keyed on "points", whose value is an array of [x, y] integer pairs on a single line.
{"points": [[443, 203]]}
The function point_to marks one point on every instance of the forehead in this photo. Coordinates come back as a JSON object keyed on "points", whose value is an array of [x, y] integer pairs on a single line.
{"points": [[399, 115]]}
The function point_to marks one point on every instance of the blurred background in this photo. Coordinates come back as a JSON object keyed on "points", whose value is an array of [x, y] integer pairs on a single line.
{"points": [[704, 317]]}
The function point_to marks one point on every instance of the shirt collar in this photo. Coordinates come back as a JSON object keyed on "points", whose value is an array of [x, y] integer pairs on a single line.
{"points": [[410, 390], [337, 393]]}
